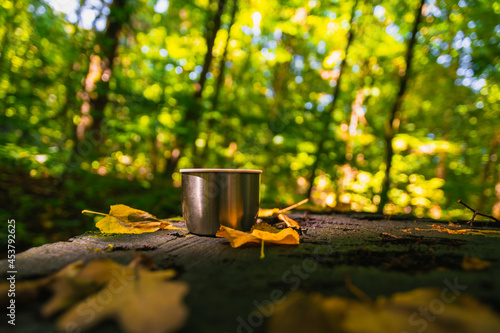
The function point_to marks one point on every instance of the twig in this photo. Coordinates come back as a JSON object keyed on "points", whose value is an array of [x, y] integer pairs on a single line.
{"points": [[92, 212], [293, 206], [475, 212]]}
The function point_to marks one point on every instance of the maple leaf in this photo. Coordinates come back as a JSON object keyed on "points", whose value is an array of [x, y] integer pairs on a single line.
{"points": [[123, 219], [140, 301], [260, 233], [307, 313], [28, 291], [75, 282]]}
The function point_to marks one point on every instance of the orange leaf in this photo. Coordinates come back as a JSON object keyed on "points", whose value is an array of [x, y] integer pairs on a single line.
{"points": [[304, 313], [454, 231], [291, 223], [260, 232]]}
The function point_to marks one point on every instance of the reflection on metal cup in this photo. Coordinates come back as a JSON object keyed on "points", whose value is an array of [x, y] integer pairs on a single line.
{"points": [[215, 197]]}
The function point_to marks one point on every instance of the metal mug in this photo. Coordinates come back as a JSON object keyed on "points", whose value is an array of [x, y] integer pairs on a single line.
{"points": [[215, 197]]}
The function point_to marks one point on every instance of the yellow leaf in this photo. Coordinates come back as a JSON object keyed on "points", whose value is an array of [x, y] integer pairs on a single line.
{"points": [[291, 223], [139, 300], [75, 282], [261, 231], [477, 232], [28, 291], [129, 214], [123, 219], [263, 226], [110, 224], [268, 212], [474, 264], [305, 313]]}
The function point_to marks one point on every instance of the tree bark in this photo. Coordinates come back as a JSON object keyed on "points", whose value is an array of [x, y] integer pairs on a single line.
{"points": [[194, 112], [393, 123], [222, 63], [119, 15], [336, 94], [220, 80], [486, 171]]}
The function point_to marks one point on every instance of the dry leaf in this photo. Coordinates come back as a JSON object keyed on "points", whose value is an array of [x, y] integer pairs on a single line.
{"points": [[123, 219], [268, 212], [474, 264], [131, 294], [260, 233], [28, 291], [454, 231], [75, 282], [140, 301], [291, 223], [313, 313], [388, 235]]}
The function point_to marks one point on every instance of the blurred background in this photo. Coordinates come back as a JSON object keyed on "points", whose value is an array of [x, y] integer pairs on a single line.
{"points": [[370, 106]]}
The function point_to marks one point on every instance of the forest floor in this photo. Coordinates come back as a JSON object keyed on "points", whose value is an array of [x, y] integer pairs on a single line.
{"points": [[226, 285]]}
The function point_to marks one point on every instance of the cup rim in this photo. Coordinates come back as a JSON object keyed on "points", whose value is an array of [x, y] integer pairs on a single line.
{"points": [[220, 170]]}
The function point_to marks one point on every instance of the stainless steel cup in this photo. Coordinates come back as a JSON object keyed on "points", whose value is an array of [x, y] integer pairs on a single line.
{"points": [[214, 197]]}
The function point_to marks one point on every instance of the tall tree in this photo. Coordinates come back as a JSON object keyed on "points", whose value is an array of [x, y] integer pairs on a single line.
{"points": [[336, 93], [194, 111], [223, 59], [101, 65], [394, 121]]}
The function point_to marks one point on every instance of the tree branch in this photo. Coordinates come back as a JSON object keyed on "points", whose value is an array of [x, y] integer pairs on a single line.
{"points": [[471, 221]]}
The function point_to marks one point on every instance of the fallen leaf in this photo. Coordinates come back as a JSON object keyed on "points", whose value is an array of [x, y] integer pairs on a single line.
{"points": [[75, 282], [140, 301], [313, 313], [456, 231], [123, 219], [291, 223], [388, 235], [474, 264], [260, 233], [268, 212], [28, 291]]}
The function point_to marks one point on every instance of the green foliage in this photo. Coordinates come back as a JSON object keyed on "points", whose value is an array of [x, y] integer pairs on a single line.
{"points": [[279, 71]]}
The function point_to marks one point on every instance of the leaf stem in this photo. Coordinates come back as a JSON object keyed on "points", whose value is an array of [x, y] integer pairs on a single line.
{"points": [[92, 212], [262, 256]]}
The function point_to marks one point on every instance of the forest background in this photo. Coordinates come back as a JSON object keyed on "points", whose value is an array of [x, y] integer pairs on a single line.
{"points": [[371, 106]]}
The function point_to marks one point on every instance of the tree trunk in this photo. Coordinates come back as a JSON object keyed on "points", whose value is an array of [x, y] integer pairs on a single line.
{"points": [[220, 80], [108, 44], [222, 63], [486, 171], [393, 123], [194, 111], [336, 94]]}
